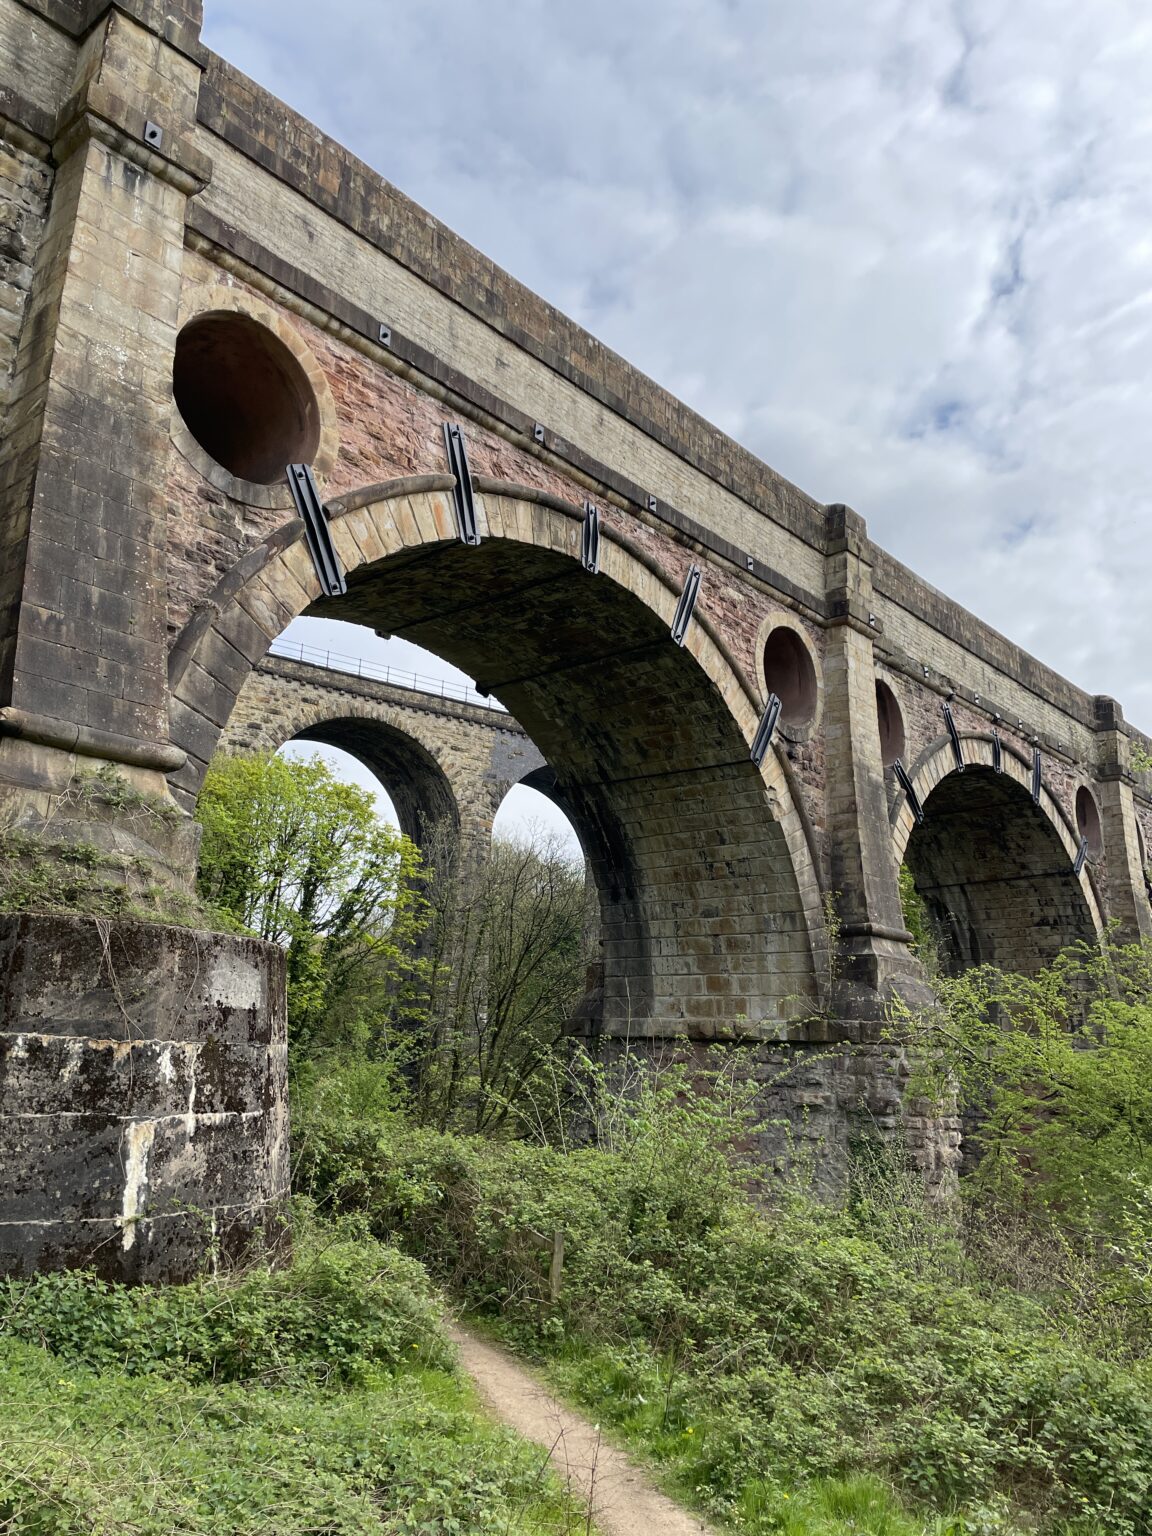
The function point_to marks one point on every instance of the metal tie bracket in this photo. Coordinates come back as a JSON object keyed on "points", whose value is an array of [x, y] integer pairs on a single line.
{"points": [[909, 789], [590, 539], [1081, 855], [317, 534], [997, 753], [954, 737], [763, 736], [1036, 775], [462, 497], [686, 604]]}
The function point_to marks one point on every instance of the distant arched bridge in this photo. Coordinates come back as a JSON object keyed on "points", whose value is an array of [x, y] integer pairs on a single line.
{"points": [[444, 754]]}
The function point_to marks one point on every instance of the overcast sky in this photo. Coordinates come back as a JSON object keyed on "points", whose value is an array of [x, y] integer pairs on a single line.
{"points": [[902, 251]]}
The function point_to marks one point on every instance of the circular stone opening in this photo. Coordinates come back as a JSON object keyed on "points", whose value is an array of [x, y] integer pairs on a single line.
{"points": [[1088, 819], [790, 675], [891, 725], [244, 397]]}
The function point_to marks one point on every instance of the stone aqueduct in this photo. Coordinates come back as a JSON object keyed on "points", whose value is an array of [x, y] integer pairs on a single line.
{"points": [[197, 288], [444, 760]]}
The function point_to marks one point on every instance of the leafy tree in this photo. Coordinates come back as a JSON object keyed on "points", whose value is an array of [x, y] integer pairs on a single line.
{"points": [[509, 948], [295, 856]]}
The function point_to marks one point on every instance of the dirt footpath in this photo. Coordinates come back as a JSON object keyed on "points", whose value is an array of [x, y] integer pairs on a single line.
{"points": [[624, 1502]]}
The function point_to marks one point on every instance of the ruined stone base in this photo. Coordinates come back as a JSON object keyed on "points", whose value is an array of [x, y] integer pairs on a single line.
{"points": [[143, 1097], [818, 1107]]}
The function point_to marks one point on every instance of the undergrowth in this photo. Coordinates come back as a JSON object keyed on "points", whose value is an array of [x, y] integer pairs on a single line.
{"points": [[316, 1399], [769, 1360]]}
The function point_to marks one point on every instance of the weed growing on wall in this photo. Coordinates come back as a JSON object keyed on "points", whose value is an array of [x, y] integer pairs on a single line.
{"points": [[1055, 1072]]}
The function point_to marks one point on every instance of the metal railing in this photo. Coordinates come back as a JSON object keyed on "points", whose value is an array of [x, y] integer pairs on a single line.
{"points": [[356, 666]]}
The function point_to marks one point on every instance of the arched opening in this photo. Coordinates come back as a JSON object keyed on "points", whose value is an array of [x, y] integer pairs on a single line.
{"points": [[891, 723], [529, 813], [789, 673], [694, 851], [1088, 819], [994, 875], [413, 781], [690, 865], [349, 770], [244, 397]]}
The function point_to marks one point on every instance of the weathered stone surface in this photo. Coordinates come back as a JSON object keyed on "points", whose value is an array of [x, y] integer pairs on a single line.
{"points": [[141, 583], [815, 1107], [142, 1078]]}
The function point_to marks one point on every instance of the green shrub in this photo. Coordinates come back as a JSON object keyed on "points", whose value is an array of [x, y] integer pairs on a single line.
{"points": [[313, 1399], [103, 1454], [751, 1348], [348, 1309]]}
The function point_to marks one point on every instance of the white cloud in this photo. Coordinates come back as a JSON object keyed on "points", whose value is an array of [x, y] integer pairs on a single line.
{"points": [[901, 251]]}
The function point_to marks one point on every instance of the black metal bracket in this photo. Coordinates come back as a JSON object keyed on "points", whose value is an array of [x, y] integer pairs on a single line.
{"points": [[463, 500], [590, 539], [909, 789], [954, 737], [1081, 855], [1037, 770], [763, 736], [317, 534], [687, 603], [997, 753]]}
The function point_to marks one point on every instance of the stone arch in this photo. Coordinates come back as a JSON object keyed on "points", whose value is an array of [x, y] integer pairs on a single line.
{"points": [[544, 779], [405, 760], [710, 904], [995, 870]]}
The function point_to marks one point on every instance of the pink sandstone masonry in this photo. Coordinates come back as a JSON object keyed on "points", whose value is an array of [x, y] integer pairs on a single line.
{"points": [[198, 287]]}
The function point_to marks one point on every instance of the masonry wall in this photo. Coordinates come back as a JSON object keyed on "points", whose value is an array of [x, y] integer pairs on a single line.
{"points": [[440, 759], [25, 184], [143, 1079]]}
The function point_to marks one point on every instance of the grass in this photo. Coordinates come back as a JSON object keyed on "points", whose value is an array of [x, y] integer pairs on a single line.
{"points": [[321, 1400], [102, 1452], [672, 1431]]}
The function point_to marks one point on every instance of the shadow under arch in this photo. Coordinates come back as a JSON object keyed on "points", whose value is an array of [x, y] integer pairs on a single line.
{"points": [[545, 781], [710, 905], [415, 782], [995, 869]]}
